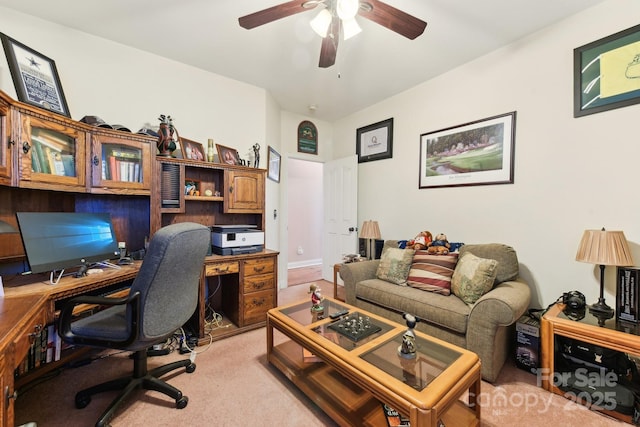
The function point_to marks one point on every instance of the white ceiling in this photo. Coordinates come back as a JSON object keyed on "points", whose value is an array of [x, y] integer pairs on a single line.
{"points": [[283, 56]]}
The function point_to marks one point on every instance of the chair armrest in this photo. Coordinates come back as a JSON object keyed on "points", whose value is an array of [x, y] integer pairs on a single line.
{"points": [[66, 318], [355, 272]]}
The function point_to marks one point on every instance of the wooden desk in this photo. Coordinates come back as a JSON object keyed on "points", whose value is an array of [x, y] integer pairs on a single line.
{"points": [[21, 317], [69, 286]]}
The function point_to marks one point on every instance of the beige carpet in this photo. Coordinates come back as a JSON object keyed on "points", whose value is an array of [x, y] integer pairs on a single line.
{"points": [[234, 386]]}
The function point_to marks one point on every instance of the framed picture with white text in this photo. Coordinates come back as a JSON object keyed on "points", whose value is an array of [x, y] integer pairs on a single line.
{"points": [[375, 141], [35, 77]]}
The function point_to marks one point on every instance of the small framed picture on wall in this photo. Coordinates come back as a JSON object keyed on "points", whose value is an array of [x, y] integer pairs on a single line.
{"points": [[273, 160]]}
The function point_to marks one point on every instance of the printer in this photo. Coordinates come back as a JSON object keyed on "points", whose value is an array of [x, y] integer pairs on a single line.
{"points": [[236, 239]]}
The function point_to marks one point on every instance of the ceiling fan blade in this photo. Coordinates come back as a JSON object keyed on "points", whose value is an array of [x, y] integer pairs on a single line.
{"points": [[273, 13], [392, 18], [329, 47]]}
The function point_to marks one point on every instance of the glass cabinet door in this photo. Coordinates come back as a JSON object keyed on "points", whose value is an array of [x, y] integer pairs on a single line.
{"points": [[5, 144], [120, 162], [52, 153]]}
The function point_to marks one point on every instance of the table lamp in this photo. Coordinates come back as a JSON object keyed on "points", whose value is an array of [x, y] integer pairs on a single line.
{"points": [[370, 231], [604, 248]]}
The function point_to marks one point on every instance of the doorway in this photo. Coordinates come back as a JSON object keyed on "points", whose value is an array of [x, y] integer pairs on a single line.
{"points": [[305, 215]]}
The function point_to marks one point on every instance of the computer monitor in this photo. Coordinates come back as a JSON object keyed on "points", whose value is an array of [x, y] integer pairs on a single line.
{"points": [[56, 241]]}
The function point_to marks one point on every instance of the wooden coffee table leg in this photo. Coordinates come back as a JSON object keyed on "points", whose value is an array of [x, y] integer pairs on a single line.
{"points": [[474, 395]]}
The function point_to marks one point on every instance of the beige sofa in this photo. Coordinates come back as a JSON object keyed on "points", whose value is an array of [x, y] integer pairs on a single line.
{"points": [[485, 327]]}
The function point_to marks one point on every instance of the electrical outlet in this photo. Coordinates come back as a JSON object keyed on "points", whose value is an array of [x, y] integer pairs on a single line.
{"points": [[300, 250]]}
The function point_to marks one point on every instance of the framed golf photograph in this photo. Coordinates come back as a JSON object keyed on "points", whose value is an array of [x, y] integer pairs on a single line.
{"points": [[475, 153], [35, 77], [227, 155], [273, 160], [192, 150], [375, 141], [606, 73]]}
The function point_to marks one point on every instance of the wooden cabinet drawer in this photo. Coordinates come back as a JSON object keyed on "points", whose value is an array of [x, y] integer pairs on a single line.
{"points": [[256, 306], [258, 266], [31, 331], [260, 282], [219, 268]]}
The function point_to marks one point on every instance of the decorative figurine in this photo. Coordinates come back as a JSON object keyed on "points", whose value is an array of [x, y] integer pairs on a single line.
{"points": [[256, 152], [316, 298], [408, 347], [166, 144]]}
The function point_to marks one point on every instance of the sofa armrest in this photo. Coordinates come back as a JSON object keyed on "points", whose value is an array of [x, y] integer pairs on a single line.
{"points": [[355, 272], [489, 330], [503, 305]]}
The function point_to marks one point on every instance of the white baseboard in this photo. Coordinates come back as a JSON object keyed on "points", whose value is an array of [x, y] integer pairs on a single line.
{"points": [[307, 263]]}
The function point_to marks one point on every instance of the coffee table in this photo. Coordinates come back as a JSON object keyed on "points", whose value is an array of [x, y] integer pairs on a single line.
{"points": [[350, 377]]}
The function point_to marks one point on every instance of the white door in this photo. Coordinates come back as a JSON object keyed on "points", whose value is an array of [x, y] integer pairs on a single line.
{"points": [[340, 187]]}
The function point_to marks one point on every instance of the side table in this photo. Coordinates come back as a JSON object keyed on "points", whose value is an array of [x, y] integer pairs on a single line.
{"points": [[612, 334], [336, 270]]}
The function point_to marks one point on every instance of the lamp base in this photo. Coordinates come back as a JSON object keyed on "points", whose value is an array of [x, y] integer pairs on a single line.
{"points": [[600, 309]]}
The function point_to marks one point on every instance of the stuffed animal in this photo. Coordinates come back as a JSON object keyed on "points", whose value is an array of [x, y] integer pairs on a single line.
{"points": [[440, 246], [421, 241]]}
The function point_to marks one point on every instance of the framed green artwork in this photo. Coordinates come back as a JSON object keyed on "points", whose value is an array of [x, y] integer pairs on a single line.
{"points": [[606, 73], [307, 138]]}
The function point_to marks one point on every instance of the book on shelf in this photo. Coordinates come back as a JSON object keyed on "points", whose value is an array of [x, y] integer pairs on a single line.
{"points": [[627, 298]]}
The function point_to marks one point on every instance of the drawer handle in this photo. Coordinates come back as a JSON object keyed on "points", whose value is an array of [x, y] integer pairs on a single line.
{"points": [[258, 302], [220, 270], [8, 396], [258, 269], [259, 285]]}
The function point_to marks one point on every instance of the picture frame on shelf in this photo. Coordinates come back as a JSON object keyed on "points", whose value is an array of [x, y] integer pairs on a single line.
{"points": [[35, 77], [475, 153], [273, 160], [193, 150], [606, 73], [227, 155], [375, 141]]}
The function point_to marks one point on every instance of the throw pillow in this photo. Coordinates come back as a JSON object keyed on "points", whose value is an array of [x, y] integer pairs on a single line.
{"points": [[432, 272], [473, 277], [394, 265]]}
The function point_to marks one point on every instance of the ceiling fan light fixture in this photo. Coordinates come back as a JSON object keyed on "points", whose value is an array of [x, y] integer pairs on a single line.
{"points": [[347, 9], [350, 28], [321, 22]]}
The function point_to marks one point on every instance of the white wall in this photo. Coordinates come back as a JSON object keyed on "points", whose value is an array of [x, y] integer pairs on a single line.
{"points": [[571, 174]]}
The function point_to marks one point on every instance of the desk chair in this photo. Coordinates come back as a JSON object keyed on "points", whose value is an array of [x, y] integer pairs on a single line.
{"points": [[162, 298]]}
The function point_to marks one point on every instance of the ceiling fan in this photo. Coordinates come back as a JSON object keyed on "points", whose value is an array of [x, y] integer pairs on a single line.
{"points": [[337, 15]]}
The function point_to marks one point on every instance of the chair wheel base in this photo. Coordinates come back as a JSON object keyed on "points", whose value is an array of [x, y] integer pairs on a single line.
{"points": [[182, 402], [82, 400], [190, 368]]}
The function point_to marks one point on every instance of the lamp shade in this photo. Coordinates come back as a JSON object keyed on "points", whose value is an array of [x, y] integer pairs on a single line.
{"points": [[370, 230], [5, 228], [604, 247]]}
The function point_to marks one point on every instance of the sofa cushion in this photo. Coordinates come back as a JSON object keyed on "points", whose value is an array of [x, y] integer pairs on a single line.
{"points": [[394, 265], [473, 277], [508, 267], [432, 272], [448, 312]]}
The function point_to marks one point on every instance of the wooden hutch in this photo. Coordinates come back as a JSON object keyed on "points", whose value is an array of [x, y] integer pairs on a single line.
{"points": [[49, 162]]}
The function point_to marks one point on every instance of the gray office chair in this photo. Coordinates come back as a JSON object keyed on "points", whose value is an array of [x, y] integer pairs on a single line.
{"points": [[163, 297]]}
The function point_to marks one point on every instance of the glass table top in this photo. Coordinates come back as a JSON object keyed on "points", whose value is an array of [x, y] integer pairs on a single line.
{"points": [[431, 360], [585, 316]]}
